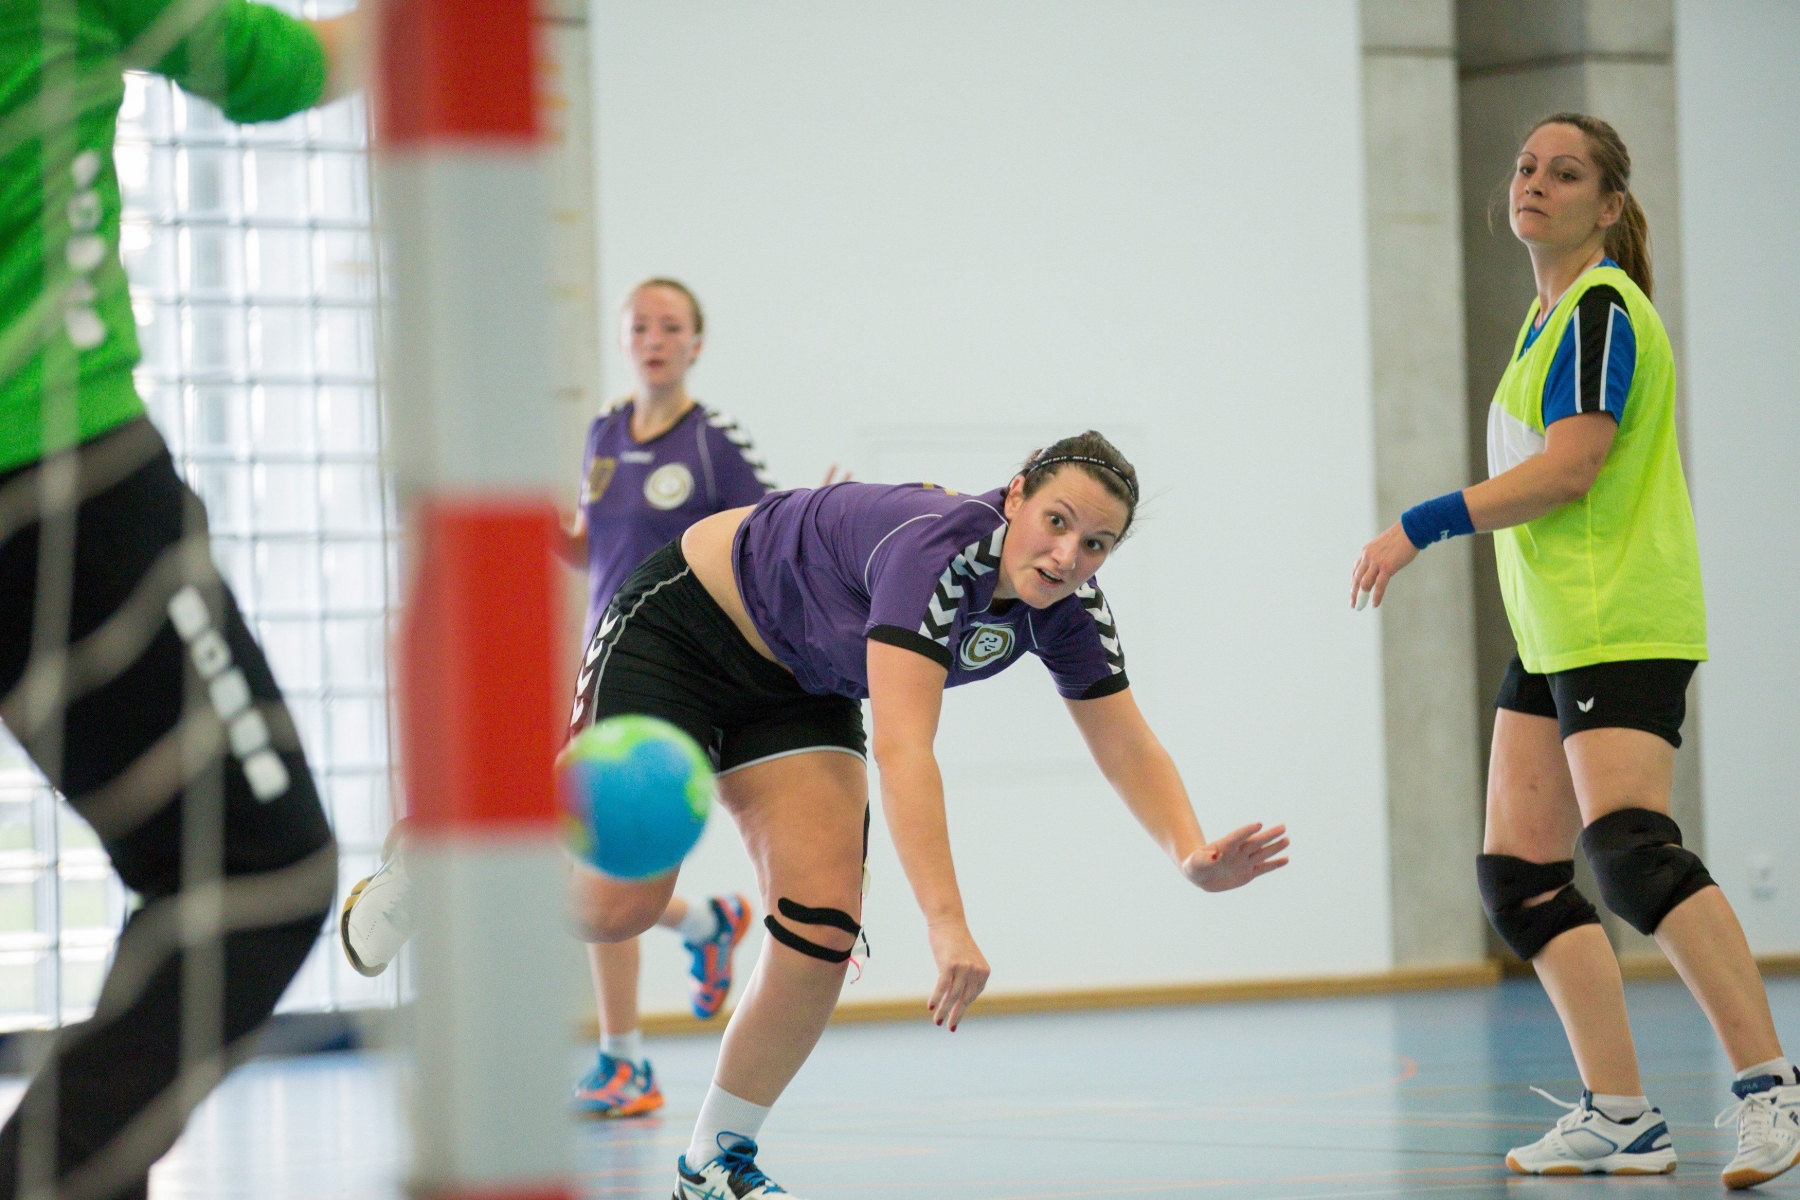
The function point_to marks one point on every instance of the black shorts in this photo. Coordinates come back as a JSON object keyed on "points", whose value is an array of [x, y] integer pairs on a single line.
{"points": [[664, 648], [1646, 693]]}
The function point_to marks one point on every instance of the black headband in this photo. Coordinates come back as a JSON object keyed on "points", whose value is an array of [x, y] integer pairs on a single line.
{"points": [[1038, 464]]}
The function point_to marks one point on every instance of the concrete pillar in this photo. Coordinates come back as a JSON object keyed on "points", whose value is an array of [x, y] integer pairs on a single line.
{"points": [[1520, 61], [1416, 339]]}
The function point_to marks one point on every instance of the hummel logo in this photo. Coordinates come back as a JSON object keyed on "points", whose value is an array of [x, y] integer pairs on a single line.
{"points": [[598, 642], [1586, 705]]}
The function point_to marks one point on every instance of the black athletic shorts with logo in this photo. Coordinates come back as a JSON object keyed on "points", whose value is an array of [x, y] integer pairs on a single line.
{"points": [[1645, 693], [664, 648]]}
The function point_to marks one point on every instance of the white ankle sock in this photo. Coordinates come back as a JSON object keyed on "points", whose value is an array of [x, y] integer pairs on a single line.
{"points": [[700, 922], [1621, 1110], [724, 1119], [628, 1046], [1781, 1068]]}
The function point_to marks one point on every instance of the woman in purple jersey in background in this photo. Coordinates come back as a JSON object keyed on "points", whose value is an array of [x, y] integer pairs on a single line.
{"points": [[656, 462], [762, 630]]}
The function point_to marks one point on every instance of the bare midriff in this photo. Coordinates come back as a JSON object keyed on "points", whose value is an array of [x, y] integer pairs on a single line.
{"points": [[707, 547]]}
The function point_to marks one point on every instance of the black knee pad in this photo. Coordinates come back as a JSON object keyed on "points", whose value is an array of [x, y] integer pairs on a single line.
{"points": [[1507, 883], [836, 918], [1643, 870]]}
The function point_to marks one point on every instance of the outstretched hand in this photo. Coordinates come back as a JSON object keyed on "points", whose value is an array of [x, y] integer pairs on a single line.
{"points": [[1237, 858], [836, 474]]}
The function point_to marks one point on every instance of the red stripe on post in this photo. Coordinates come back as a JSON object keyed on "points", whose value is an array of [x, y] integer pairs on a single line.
{"points": [[480, 701], [456, 70]]}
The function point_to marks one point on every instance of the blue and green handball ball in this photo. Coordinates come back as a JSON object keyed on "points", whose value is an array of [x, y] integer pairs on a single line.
{"points": [[638, 791]]}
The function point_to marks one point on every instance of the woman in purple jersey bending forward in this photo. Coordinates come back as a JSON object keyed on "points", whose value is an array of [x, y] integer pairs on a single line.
{"points": [[760, 632]]}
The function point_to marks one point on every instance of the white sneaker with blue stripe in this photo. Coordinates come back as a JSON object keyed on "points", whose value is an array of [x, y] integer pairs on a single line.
{"points": [[1588, 1142], [733, 1175], [1768, 1131]]}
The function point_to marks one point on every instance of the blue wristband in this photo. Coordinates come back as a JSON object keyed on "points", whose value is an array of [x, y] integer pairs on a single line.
{"points": [[1435, 520]]}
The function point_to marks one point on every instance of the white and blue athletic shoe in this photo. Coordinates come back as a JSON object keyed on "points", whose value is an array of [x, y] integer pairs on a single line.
{"points": [[733, 1175], [1768, 1131], [1588, 1142]]}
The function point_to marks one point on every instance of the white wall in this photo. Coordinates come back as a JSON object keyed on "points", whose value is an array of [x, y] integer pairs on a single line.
{"points": [[1740, 203], [935, 235]]}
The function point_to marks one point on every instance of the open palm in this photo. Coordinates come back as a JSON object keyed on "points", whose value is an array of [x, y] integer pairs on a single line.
{"points": [[1237, 858]]}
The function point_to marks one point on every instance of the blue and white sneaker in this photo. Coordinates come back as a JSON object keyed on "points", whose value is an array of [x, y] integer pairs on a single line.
{"points": [[1768, 1131], [1588, 1142], [618, 1087], [733, 1175]]}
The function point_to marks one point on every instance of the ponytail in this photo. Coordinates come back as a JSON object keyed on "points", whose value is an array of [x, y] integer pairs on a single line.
{"points": [[1628, 244], [1628, 239]]}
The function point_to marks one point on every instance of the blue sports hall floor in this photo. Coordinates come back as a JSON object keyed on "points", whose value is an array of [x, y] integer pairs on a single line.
{"points": [[1406, 1095]]}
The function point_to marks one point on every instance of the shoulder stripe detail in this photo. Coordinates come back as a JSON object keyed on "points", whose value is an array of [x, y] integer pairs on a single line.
{"points": [[1093, 600], [1595, 320], [737, 436], [977, 559], [704, 453]]}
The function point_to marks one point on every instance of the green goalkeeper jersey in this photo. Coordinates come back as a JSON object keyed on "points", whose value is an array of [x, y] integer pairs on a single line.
{"points": [[67, 340]]}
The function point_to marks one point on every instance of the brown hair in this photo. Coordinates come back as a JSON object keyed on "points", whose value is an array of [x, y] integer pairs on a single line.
{"points": [[1096, 456], [674, 285], [1628, 238]]}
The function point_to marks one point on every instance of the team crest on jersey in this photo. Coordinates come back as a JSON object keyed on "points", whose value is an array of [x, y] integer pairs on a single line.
{"points": [[985, 645], [600, 473], [669, 486]]}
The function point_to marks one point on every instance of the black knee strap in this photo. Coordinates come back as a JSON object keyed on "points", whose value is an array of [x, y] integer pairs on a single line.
{"points": [[1644, 871], [1507, 883], [836, 918]]}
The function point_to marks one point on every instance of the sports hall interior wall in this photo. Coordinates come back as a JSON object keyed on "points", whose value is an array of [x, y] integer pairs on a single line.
{"points": [[933, 240]]}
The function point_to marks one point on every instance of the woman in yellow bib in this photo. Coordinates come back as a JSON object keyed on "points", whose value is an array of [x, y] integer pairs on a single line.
{"points": [[1601, 576]]}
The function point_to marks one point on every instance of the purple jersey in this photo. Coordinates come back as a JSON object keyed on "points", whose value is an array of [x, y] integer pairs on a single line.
{"points": [[640, 497], [823, 571]]}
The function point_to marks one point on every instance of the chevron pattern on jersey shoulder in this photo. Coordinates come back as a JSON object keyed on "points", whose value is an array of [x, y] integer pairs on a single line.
{"points": [[1094, 601], [737, 436], [977, 559]]}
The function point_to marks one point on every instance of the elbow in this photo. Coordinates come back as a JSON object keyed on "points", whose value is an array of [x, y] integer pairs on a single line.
{"points": [[889, 754], [896, 757], [1577, 482]]}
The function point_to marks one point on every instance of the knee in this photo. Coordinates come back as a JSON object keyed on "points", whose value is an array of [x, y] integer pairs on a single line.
{"points": [[1643, 869], [1508, 883], [823, 933], [608, 912]]}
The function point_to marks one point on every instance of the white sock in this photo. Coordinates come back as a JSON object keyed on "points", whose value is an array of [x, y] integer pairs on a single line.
{"points": [[1621, 1110], [700, 922], [628, 1046], [1781, 1068], [724, 1120]]}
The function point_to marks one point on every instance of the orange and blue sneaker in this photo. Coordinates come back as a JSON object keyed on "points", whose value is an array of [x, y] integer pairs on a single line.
{"points": [[618, 1087], [710, 971]]}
